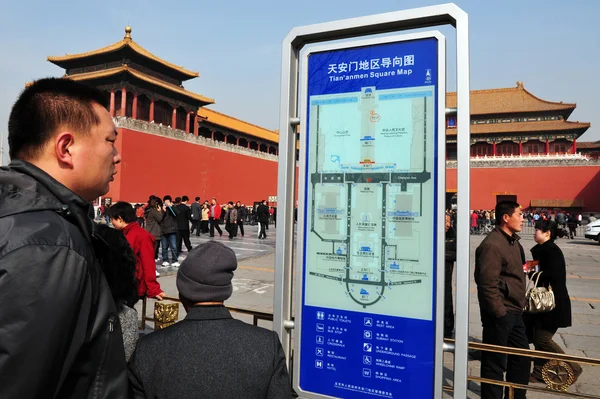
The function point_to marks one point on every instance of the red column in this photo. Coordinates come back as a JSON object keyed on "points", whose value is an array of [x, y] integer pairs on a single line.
{"points": [[248, 143], [174, 119], [187, 123], [547, 147], [134, 107], [123, 102], [237, 141], [112, 103], [574, 147], [494, 148], [520, 147], [196, 127], [151, 116], [212, 135]]}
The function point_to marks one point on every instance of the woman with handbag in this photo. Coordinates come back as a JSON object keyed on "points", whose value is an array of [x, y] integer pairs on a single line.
{"points": [[553, 276]]}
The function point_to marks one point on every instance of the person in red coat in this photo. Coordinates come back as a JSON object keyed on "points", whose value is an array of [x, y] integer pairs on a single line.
{"points": [[123, 218]]}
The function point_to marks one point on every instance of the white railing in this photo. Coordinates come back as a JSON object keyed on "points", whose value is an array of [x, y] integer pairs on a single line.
{"points": [[529, 160]]}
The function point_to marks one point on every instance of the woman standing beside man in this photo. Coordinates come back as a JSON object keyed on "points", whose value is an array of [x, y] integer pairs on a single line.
{"points": [[543, 326]]}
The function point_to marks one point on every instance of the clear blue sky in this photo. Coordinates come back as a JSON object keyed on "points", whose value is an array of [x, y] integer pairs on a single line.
{"points": [[236, 46]]}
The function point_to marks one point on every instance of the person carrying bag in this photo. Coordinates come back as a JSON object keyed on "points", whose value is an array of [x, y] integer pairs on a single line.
{"points": [[544, 318]]}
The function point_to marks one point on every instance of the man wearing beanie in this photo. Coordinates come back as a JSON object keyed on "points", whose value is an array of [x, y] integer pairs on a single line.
{"points": [[209, 354]]}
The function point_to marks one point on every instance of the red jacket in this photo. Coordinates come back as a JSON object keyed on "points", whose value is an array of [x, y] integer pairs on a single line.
{"points": [[142, 244], [218, 210]]}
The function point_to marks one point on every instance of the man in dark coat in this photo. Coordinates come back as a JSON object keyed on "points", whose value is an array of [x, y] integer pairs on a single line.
{"points": [[500, 283], [196, 216], [60, 335], [262, 214], [184, 216], [209, 354], [241, 215], [448, 271], [168, 226]]}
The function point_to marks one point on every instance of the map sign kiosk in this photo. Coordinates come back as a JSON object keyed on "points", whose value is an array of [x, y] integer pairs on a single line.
{"points": [[370, 223], [371, 199]]}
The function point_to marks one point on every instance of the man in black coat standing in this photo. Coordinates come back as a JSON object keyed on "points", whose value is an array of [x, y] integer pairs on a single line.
{"points": [[449, 270], [241, 215], [262, 214], [196, 209], [184, 216], [209, 354]]}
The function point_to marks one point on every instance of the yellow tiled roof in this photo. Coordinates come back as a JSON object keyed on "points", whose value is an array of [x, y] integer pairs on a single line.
{"points": [[507, 100], [127, 41], [236, 124], [141, 76]]}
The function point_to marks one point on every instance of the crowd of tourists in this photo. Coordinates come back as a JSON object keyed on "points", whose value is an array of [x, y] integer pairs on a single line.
{"points": [[68, 286]]}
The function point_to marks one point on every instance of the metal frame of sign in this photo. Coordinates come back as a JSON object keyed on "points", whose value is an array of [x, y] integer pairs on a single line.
{"points": [[438, 175], [447, 14]]}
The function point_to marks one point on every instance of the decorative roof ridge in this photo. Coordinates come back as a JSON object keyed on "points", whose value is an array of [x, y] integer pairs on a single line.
{"points": [[569, 105], [143, 76], [126, 41], [520, 87], [239, 120]]}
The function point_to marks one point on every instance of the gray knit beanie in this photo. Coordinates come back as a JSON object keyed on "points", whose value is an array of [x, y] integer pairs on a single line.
{"points": [[205, 275]]}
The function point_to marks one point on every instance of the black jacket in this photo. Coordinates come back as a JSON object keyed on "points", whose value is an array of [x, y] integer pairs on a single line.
{"points": [[184, 215], [262, 213], [554, 273], [196, 211], [210, 355], [168, 224], [60, 335], [241, 213]]}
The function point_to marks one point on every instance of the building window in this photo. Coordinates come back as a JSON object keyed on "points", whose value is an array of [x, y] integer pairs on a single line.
{"points": [[481, 150], [507, 149], [531, 149], [560, 148], [451, 122]]}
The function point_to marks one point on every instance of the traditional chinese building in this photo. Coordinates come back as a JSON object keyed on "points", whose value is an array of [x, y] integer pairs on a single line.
{"points": [[169, 142], [522, 147]]}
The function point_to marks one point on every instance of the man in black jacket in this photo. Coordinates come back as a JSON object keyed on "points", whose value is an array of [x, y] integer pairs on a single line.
{"points": [[184, 215], [168, 226], [60, 334], [448, 271], [212, 354], [241, 215], [196, 216], [262, 214]]}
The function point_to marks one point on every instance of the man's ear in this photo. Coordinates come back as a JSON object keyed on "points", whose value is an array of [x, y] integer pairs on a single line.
{"points": [[63, 144]]}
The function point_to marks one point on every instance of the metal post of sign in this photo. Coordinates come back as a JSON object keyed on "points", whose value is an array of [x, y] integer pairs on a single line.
{"points": [[282, 306], [463, 265], [370, 25]]}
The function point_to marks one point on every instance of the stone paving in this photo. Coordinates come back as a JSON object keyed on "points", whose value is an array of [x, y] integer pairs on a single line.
{"points": [[253, 289]]}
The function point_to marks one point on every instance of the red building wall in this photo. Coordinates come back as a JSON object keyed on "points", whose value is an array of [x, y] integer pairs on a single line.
{"points": [[546, 183], [158, 165]]}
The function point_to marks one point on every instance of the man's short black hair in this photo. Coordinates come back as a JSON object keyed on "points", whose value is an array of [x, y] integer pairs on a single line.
{"points": [[177, 200], [46, 106], [122, 210], [197, 198], [547, 225], [167, 197], [230, 202], [185, 198], [505, 208]]}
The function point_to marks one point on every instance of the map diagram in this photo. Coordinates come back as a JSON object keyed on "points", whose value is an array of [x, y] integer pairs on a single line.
{"points": [[369, 241]]}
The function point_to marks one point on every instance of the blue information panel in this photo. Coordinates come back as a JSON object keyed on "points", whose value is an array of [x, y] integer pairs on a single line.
{"points": [[368, 300]]}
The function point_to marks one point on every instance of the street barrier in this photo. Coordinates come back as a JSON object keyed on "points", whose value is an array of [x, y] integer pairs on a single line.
{"points": [[557, 373]]}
